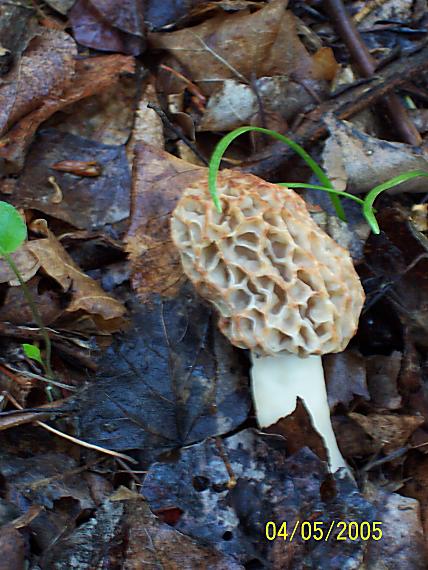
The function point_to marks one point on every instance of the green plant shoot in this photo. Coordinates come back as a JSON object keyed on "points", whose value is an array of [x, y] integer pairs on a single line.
{"points": [[327, 186], [224, 143], [13, 233], [33, 352]]}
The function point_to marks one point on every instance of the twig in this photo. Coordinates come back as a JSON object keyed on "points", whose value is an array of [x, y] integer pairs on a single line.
{"points": [[74, 439], [367, 67], [167, 122], [271, 161]]}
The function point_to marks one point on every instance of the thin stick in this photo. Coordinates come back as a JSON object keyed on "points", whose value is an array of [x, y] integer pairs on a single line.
{"points": [[367, 67], [270, 163], [166, 121], [74, 439]]}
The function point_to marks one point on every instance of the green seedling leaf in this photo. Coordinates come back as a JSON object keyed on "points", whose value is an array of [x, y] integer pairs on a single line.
{"points": [[13, 231], [323, 188], [32, 351], [374, 193], [223, 144]]}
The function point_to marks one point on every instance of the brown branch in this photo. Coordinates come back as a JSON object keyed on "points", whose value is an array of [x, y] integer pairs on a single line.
{"points": [[271, 162], [367, 66]]}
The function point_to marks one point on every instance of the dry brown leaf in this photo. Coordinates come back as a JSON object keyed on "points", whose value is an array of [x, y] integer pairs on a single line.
{"points": [[148, 127], [87, 295], [93, 75], [359, 161], [389, 431], [26, 263], [239, 46], [158, 179], [45, 70]]}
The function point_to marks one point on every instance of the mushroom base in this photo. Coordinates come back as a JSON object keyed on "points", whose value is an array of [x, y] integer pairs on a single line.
{"points": [[277, 381]]}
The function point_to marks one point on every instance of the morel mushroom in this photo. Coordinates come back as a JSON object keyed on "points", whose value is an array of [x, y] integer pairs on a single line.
{"points": [[283, 288]]}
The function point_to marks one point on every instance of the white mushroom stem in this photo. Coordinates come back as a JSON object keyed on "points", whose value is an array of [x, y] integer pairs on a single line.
{"points": [[277, 381]]}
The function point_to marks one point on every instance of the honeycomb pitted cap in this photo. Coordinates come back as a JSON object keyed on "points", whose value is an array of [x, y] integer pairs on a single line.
{"points": [[279, 282]]}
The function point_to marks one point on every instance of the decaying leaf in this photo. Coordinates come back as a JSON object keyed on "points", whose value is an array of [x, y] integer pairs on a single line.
{"points": [[345, 378], [158, 179], [398, 262], [382, 377], [84, 202], [359, 162], [86, 294], [45, 70], [108, 25], [390, 431], [92, 75], [400, 518], [125, 532], [171, 380], [26, 263], [266, 486]]}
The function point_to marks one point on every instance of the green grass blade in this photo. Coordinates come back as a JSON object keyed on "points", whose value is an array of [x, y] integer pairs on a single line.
{"points": [[323, 188], [223, 144], [374, 193]]}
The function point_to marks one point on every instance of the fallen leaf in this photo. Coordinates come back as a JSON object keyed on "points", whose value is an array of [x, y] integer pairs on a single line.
{"points": [[266, 486], [160, 14], [382, 377], [389, 431], [26, 263], [359, 161], [240, 45], [397, 260], [148, 126], [108, 25], [45, 70], [345, 375], [400, 518], [18, 24], [86, 294], [86, 203], [61, 6], [236, 104], [171, 380], [12, 548], [93, 75], [149, 542], [158, 180]]}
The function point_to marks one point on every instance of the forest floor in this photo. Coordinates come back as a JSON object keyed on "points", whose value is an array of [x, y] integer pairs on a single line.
{"points": [[128, 438]]}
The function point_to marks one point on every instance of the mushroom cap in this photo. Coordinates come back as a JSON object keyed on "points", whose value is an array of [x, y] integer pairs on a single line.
{"points": [[279, 282]]}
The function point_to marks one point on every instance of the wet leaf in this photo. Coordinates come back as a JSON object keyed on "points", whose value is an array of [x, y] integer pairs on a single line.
{"points": [[345, 375], [149, 542], [93, 75], [160, 14], [45, 70], [171, 380], [108, 25], [267, 486], [84, 202]]}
